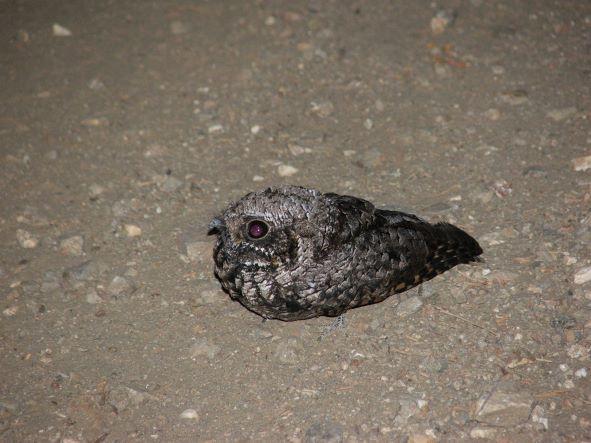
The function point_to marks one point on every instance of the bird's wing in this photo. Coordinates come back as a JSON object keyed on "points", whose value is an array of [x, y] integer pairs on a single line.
{"points": [[353, 215]]}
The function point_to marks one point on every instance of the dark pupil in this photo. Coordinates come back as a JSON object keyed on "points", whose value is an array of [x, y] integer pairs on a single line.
{"points": [[257, 229]]}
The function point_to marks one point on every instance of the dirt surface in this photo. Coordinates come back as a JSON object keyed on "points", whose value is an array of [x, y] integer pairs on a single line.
{"points": [[121, 140]]}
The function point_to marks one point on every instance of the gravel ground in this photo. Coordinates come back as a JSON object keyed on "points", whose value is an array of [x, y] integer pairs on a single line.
{"points": [[126, 125]]}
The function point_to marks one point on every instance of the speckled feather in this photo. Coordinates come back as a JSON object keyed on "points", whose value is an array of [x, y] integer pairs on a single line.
{"points": [[324, 254]]}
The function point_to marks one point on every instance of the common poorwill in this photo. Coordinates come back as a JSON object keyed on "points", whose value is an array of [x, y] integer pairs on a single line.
{"points": [[293, 253]]}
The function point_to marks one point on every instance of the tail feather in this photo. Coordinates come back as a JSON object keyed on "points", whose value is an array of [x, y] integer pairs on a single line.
{"points": [[449, 246]]}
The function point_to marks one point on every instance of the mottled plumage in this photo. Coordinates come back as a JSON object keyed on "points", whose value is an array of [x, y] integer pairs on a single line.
{"points": [[293, 253]]}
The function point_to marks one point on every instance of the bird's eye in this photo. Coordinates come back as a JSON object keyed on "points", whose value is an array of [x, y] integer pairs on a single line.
{"points": [[257, 229]]}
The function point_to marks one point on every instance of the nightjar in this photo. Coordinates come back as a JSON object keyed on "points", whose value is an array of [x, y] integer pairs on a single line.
{"points": [[292, 253]]}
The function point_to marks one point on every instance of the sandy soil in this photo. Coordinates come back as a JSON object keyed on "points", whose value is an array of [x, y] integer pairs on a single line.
{"points": [[127, 126]]}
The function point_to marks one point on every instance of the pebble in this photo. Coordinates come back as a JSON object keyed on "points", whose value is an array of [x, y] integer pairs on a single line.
{"points": [[493, 114], [296, 149], [506, 406], [502, 188], [120, 286], [408, 306], [95, 122], [95, 190], [120, 208], [177, 27], [582, 163], [327, 432], [483, 433], [379, 104], [323, 108], [122, 397], [50, 282], [441, 21], [215, 129], [583, 275], [258, 178], [420, 438], [10, 311], [538, 415], [255, 129], [96, 84], [203, 348], [408, 408], [286, 352], [60, 31], [73, 246], [561, 114], [498, 70], [86, 271], [581, 373], [286, 170], [92, 297], [26, 239], [368, 124], [578, 351], [132, 230], [190, 414], [515, 97], [199, 251], [170, 184]]}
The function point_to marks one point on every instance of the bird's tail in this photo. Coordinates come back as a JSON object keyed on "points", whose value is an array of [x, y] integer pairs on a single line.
{"points": [[450, 247]]}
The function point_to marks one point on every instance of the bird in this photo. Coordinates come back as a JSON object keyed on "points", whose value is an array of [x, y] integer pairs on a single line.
{"points": [[294, 253]]}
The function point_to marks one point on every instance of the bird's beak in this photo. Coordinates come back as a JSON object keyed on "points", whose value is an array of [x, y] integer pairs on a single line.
{"points": [[216, 226]]}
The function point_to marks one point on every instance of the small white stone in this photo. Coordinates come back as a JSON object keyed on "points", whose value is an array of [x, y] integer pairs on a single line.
{"points": [[583, 275], [133, 230], [578, 351], [581, 373], [582, 163], [190, 414], [368, 123], [11, 311], [563, 367], [270, 21], [286, 170], [561, 114], [538, 416], [92, 297], [483, 433], [72, 245], [498, 70], [95, 190], [26, 239], [255, 129], [60, 31], [258, 178], [492, 114], [569, 384], [349, 152], [215, 129]]}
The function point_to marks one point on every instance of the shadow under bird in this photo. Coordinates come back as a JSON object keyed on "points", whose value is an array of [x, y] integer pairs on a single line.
{"points": [[292, 253]]}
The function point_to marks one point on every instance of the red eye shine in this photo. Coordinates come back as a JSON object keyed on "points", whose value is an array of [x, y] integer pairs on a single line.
{"points": [[257, 229]]}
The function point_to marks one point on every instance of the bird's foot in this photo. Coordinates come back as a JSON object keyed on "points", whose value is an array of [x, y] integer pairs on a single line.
{"points": [[338, 323]]}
